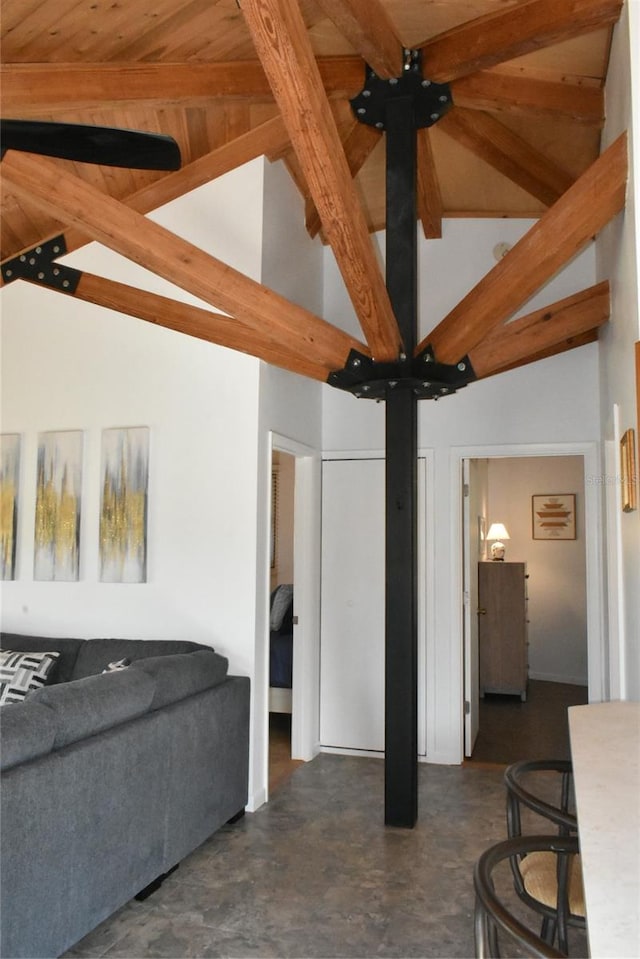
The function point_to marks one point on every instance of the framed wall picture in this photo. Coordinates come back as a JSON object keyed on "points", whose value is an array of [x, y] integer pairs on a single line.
{"points": [[9, 477], [56, 544], [482, 538], [123, 507], [628, 470], [554, 516]]}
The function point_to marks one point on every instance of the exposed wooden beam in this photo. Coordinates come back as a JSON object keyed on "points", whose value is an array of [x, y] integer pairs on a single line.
{"points": [[507, 92], [370, 31], [507, 152], [429, 198], [527, 338], [561, 232], [37, 89], [570, 343], [267, 139], [194, 321], [358, 146], [523, 28], [280, 37], [162, 252]]}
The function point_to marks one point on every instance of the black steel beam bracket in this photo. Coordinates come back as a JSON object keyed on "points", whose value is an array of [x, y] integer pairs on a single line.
{"points": [[431, 100], [38, 266], [423, 375]]}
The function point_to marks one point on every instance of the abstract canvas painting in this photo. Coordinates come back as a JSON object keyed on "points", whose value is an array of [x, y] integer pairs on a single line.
{"points": [[123, 509], [9, 478], [58, 501]]}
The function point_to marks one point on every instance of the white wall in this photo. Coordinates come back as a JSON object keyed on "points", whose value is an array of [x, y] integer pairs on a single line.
{"points": [[290, 417], [69, 365], [619, 258], [553, 401], [557, 608]]}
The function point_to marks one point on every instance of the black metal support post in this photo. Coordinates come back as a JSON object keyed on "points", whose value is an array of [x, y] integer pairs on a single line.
{"points": [[401, 745]]}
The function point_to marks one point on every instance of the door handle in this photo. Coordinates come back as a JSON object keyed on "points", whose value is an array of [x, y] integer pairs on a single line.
{"points": [[482, 612]]}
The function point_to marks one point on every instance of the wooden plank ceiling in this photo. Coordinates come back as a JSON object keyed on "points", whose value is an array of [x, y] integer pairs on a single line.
{"points": [[235, 79]]}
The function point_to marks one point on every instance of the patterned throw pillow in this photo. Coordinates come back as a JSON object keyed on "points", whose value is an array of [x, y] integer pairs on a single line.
{"points": [[116, 665], [21, 673]]}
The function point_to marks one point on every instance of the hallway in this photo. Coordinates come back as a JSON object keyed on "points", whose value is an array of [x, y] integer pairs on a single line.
{"points": [[536, 729]]}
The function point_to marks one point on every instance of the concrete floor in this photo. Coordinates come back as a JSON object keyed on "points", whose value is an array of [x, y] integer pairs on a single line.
{"points": [[315, 873]]}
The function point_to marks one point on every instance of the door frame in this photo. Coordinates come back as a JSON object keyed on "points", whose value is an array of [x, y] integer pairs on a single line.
{"points": [[305, 710], [593, 552]]}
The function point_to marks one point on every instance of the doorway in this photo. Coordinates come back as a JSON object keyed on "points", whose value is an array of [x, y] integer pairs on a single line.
{"points": [[292, 707], [562, 615], [281, 765]]}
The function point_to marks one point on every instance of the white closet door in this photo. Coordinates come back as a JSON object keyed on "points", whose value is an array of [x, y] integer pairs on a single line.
{"points": [[353, 579]]}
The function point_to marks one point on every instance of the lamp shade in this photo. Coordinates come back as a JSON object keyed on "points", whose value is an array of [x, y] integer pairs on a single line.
{"points": [[498, 531]]}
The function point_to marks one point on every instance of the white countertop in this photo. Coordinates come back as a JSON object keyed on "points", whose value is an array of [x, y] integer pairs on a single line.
{"points": [[605, 751]]}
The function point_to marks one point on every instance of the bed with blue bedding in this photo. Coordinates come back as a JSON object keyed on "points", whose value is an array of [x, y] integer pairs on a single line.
{"points": [[281, 648]]}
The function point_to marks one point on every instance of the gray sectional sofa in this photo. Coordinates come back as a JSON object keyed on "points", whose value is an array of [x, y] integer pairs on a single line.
{"points": [[110, 779]]}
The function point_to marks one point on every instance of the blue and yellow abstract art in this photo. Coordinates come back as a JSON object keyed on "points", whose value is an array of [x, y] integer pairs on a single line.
{"points": [[123, 509], [58, 502]]}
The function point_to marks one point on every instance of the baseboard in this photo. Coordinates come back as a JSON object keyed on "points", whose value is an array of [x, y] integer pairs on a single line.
{"points": [[555, 678], [339, 751], [256, 800]]}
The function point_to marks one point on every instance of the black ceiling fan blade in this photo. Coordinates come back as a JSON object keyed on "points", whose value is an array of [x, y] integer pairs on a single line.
{"points": [[107, 146]]}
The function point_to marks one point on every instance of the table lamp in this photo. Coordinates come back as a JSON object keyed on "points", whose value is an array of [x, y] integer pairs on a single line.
{"points": [[497, 532]]}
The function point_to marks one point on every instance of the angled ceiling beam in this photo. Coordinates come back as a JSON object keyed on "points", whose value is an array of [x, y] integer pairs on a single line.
{"points": [[282, 43], [594, 199], [370, 31], [555, 326], [358, 146], [429, 198], [496, 90], [37, 89], [268, 139], [162, 252], [507, 152], [497, 37], [194, 321], [570, 343]]}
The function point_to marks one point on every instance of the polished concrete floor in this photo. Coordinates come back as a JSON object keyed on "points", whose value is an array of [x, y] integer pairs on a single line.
{"points": [[315, 873]]}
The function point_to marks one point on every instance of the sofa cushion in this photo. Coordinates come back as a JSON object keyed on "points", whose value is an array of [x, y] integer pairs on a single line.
{"points": [[28, 731], [96, 654], [67, 647], [22, 672], [182, 674], [87, 706]]}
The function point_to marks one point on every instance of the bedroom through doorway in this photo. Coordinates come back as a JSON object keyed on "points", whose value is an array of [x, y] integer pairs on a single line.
{"points": [[550, 617], [281, 623]]}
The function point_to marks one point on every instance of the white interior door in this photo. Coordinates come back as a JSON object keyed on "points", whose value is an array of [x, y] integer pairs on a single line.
{"points": [[353, 605]]}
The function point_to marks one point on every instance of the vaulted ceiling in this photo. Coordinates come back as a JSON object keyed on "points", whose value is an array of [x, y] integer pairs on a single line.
{"points": [[234, 79]]}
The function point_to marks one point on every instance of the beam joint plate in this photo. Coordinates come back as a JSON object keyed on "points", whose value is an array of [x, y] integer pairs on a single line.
{"points": [[38, 266], [431, 100], [423, 375]]}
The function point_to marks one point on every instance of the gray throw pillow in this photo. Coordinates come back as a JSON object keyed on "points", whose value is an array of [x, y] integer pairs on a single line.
{"points": [[280, 604]]}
